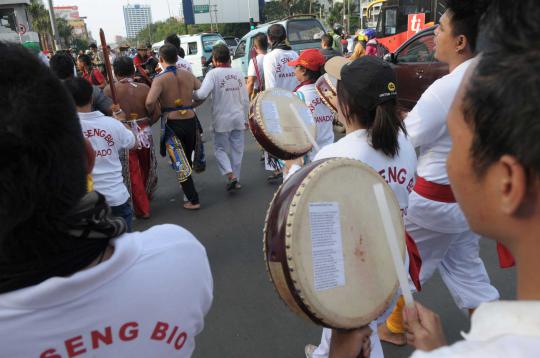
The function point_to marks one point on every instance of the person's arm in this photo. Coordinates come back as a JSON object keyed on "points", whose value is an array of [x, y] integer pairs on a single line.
{"points": [[245, 100], [206, 87], [152, 98], [427, 120], [423, 328], [125, 138], [251, 77], [351, 343], [101, 100], [269, 73]]}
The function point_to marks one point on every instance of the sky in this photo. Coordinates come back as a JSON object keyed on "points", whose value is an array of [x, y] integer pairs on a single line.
{"points": [[109, 15]]}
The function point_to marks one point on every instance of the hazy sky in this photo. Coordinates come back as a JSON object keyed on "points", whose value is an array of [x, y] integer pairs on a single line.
{"points": [[108, 14]]}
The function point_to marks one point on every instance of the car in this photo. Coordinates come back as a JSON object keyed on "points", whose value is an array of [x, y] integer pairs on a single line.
{"points": [[416, 67], [198, 49], [231, 42], [303, 32]]}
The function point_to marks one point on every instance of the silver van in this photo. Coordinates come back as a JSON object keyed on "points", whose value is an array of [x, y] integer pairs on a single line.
{"points": [[302, 32]]}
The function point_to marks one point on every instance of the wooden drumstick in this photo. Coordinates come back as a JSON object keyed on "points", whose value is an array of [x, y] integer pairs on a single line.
{"points": [[392, 239], [107, 65], [304, 127]]}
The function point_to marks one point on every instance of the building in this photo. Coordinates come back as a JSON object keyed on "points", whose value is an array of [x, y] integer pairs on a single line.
{"points": [[71, 15], [136, 17], [181, 13], [15, 25]]}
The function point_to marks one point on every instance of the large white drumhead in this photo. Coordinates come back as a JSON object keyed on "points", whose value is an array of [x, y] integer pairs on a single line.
{"points": [[280, 113], [336, 249]]}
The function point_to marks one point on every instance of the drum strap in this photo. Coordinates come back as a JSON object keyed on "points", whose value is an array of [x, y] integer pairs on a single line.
{"points": [[306, 82], [257, 72]]}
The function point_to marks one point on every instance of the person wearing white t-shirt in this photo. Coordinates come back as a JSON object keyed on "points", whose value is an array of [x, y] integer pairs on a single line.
{"points": [[181, 63], [307, 70], [494, 169], [276, 72], [278, 75], [229, 113], [375, 136], [434, 220], [73, 282], [255, 72], [108, 136]]}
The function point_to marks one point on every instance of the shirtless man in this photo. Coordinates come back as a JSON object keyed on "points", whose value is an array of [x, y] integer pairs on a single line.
{"points": [[173, 89], [131, 97]]}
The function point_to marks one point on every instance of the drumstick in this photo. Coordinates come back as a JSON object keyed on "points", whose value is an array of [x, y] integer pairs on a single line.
{"points": [[392, 239], [107, 65], [304, 127]]}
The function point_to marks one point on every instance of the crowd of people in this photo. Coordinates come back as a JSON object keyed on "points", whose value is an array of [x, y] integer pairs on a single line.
{"points": [[75, 280]]}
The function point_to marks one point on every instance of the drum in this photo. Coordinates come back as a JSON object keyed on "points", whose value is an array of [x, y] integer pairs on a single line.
{"points": [[324, 243], [278, 120], [326, 86]]}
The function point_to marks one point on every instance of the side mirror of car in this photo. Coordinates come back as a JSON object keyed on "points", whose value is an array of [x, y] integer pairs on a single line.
{"points": [[390, 57]]}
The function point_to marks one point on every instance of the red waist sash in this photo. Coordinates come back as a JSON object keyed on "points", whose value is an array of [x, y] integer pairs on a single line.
{"points": [[443, 193], [433, 191]]}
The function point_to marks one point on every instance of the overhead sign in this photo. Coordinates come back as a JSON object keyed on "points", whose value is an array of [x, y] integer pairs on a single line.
{"points": [[21, 29], [201, 9]]}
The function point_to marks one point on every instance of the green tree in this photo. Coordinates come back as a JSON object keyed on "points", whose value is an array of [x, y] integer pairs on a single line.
{"points": [[64, 30], [275, 10], [80, 44], [40, 20]]}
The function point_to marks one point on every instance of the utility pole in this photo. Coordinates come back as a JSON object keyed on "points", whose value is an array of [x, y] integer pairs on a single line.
{"points": [[214, 9], [56, 36]]}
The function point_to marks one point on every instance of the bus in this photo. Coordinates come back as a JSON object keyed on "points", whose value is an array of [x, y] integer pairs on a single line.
{"points": [[401, 19]]}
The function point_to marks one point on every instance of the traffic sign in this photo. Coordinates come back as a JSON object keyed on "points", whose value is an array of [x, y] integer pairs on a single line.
{"points": [[21, 29], [201, 9]]}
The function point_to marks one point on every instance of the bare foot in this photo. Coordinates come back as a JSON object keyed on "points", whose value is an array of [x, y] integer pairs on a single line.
{"points": [[385, 335], [190, 206]]}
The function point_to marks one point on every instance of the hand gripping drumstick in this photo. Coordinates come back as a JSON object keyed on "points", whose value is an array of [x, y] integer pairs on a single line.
{"points": [[107, 65], [304, 127], [392, 239]]}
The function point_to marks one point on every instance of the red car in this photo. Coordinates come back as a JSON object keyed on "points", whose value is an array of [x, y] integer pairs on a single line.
{"points": [[416, 67]]}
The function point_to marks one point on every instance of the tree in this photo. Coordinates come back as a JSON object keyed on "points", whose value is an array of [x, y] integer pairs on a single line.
{"points": [[274, 10], [41, 22], [64, 30], [79, 44]]}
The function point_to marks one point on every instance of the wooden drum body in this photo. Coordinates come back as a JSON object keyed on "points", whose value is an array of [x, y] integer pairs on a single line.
{"points": [[274, 117], [326, 86], [324, 243]]}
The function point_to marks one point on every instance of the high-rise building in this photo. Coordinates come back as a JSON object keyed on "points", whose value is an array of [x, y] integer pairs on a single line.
{"points": [[181, 13], [136, 17]]}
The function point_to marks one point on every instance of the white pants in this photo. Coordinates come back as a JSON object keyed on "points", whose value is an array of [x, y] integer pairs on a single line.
{"points": [[229, 150], [457, 257]]}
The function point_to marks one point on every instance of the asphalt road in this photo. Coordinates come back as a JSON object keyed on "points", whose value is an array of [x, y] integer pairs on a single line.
{"points": [[247, 318]]}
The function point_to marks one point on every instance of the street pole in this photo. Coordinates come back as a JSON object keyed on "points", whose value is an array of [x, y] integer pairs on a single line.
{"points": [[56, 36]]}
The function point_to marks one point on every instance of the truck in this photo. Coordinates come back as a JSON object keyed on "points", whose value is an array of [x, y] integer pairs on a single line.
{"points": [[400, 20]]}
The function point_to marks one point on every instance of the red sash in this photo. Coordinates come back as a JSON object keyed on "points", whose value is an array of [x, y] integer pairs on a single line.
{"points": [[415, 261], [443, 193]]}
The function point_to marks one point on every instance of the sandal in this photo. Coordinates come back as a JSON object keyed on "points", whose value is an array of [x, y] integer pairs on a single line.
{"points": [[275, 176], [232, 184], [190, 206]]}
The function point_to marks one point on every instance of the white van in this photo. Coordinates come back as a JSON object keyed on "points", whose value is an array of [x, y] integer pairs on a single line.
{"points": [[198, 49]]}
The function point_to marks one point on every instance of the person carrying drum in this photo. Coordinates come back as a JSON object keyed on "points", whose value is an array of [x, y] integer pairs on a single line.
{"points": [[229, 113], [434, 220], [307, 70], [494, 170], [131, 97], [173, 89], [278, 74], [366, 92]]}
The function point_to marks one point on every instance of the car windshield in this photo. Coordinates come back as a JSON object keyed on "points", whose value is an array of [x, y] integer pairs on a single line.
{"points": [[209, 41], [305, 30], [230, 41]]}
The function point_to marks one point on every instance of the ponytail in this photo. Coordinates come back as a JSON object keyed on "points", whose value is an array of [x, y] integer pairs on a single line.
{"points": [[385, 129], [382, 124]]}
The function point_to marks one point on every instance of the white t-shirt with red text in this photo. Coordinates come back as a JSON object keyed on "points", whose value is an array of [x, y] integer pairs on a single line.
{"points": [[149, 299], [108, 136], [322, 115], [398, 172], [277, 72]]}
